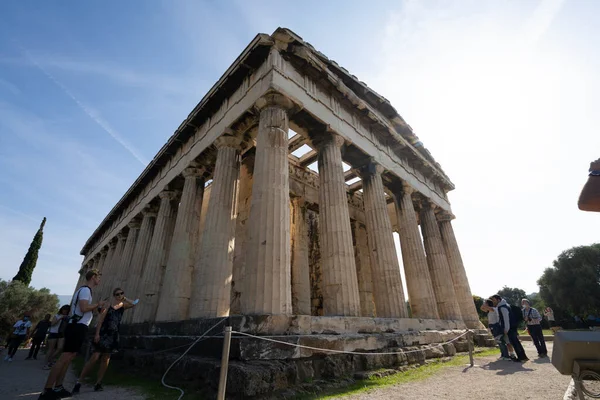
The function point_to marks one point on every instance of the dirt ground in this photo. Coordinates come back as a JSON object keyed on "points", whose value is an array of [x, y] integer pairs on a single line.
{"points": [[490, 379], [23, 380]]}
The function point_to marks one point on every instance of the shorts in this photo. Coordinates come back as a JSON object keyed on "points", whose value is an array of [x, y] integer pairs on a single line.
{"points": [[75, 335], [55, 335]]}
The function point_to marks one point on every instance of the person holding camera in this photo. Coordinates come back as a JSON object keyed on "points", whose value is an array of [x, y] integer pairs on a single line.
{"points": [[533, 319], [106, 339], [82, 312]]}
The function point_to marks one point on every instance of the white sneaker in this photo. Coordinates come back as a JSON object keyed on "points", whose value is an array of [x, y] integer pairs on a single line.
{"points": [[9, 359], [6, 358]]}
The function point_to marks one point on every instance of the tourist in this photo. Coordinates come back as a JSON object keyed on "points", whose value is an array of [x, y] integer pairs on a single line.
{"points": [[549, 314], [509, 324], [533, 319], [39, 334], [20, 333], [75, 334], [56, 335], [507, 352], [106, 339]]}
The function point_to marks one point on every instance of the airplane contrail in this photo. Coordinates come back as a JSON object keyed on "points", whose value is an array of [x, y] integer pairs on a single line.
{"points": [[90, 112]]}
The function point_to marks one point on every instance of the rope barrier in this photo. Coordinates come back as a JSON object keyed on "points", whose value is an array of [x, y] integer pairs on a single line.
{"points": [[183, 355], [349, 352]]}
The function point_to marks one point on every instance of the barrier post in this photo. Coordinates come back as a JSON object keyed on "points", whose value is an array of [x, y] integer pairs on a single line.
{"points": [[470, 339], [224, 364]]}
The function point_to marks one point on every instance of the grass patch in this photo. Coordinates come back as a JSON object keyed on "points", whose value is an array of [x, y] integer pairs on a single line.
{"points": [[119, 375], [423, 372]]}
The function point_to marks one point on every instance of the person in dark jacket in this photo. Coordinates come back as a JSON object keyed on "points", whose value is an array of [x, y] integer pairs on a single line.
{"points": [[510, 329], [38, 336]]}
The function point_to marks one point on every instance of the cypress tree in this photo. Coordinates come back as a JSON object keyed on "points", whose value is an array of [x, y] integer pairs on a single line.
{"points": [[30, 260]]}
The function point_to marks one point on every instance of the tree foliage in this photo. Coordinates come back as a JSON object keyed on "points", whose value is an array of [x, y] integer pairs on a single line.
{"points": [[572, 284], [512, 296], [17, 298], [30, 259]]}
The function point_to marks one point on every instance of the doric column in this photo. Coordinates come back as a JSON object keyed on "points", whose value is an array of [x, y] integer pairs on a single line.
{"points": [[387, 282], [152, 294], [438, 264], [177, 284], [418, 280], [102, 261], [239, 254], [267, 276], [211, 291], [340, 286], [457, 270], [300, 269], [124, 266], [133, 283], [108, 282], [107, 269], [364, 273]]}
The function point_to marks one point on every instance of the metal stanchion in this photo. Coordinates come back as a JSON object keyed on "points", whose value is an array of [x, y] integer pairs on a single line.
{"points": [[224, 364], [470, 339]]}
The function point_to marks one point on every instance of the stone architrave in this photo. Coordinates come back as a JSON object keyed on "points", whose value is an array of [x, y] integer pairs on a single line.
{"points": [[134, 285], [267, 280], [387, 281], [124, 266], [459, 275], [153, 296], [340, 285], [211, 294], [438, 265], [300, 269], [177, 283], [364, 273], [418, 279]]}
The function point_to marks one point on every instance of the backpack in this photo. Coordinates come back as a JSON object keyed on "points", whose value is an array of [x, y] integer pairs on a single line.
{"points": [[514, 318], [76, 317]]}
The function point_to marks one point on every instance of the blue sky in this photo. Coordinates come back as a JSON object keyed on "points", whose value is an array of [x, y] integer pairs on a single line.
{"points": [[504, 94]]}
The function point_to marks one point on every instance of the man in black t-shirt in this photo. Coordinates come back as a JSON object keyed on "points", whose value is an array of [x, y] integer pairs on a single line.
{"points": [[39, 334]]}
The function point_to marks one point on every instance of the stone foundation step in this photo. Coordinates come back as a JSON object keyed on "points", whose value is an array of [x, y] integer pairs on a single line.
{"points": [[251, 379], [256, 348]]}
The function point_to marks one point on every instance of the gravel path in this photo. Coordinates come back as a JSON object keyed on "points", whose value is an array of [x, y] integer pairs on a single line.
{"points": [[489, 379], [23, 380]]}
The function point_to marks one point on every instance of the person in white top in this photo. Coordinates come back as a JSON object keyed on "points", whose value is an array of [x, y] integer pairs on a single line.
{"points": [[21, 330], [81, 315], [56, 335]]}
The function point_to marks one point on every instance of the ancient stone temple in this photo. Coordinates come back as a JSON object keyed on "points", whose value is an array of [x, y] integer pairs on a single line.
{"points": [[276, 202]]}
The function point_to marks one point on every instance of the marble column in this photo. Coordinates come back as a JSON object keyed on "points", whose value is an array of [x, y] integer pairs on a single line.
{"points": [[459, 275], [438, 265], [177, 283], [387, 281], [127, 255], [418, 280], [364, 273], [340, 286], [300, 269], [107, 269], [239, 254], [267, 280], [108, 282], [155, 301], [102, 261], [211, 293], [133, 285]]}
